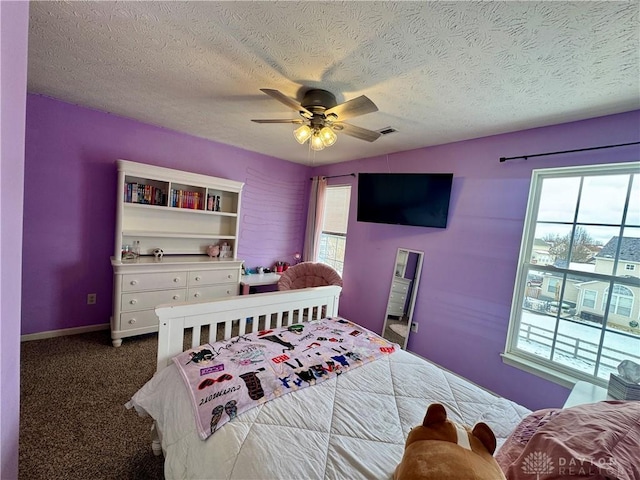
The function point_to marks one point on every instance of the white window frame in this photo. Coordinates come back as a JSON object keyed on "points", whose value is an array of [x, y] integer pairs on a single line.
{"points": [[553, 371], [326, 236]]}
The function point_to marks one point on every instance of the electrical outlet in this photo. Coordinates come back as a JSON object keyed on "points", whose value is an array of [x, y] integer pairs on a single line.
{"points": [[414, 327], [91, 299]]}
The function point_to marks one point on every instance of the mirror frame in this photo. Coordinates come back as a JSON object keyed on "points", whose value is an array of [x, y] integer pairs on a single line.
{"points": [[411, 303]]}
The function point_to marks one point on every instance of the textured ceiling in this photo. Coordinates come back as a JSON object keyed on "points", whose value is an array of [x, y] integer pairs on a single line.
{"points": [[438, 71]]}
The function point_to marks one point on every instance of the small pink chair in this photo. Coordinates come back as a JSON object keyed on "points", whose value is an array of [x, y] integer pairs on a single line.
{"points": [[308, 274]]}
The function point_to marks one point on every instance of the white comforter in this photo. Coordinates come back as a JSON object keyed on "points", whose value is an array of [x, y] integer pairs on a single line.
{"points": [[350, 427]]}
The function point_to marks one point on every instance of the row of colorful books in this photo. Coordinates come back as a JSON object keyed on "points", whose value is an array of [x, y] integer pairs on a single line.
{"points": [[150, 195], [186, 199], [146, 194]]}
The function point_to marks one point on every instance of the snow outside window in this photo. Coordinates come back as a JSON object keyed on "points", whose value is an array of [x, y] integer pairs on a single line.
{"points": [[585, 223]]}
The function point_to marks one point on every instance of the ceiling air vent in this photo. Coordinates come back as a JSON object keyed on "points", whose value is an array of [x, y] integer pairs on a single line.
{"points": [[387, 130]]}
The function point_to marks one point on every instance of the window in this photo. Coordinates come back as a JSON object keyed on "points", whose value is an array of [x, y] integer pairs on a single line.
{"points": [[589, 298], [583, 322], [333, 238], [621, 301], [552, 286]]}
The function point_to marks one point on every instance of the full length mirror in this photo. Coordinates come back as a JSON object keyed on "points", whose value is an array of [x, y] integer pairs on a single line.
{"points": [[402, 296]]}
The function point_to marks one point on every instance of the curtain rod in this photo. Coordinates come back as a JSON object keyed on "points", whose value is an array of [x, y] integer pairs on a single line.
{"points": [[337, 176], [525, 157]]}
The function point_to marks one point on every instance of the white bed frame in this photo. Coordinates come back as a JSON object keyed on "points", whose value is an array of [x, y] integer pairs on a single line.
{"points": [[234, 314], [271, 310]]}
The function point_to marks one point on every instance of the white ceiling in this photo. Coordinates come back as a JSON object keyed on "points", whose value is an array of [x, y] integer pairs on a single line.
{"points": [[438, 71]]}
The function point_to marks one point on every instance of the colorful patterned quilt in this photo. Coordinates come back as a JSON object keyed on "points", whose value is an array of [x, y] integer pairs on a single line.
{"points": [[228, 378]]}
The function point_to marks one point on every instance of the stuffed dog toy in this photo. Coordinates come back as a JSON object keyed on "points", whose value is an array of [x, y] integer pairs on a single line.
{"points": [[439, 449]]}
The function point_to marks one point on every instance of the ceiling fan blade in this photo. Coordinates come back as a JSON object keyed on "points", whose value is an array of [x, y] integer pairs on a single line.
{"points": [[273, 120], [353, 108], [357, 132], [286, 100]]}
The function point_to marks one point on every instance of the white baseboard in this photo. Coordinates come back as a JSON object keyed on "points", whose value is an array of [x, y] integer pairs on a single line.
{"points": [[63, 332]]}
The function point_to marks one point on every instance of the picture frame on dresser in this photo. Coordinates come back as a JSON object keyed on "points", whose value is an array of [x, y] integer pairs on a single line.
{"points": [[182, 214]]}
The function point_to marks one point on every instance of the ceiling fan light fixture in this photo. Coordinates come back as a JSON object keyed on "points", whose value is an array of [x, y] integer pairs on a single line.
{"points": [[302, 134], [327, 136], [316, 142]]}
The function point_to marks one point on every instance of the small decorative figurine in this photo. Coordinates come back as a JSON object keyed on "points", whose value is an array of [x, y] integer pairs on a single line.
{"points": [[158, 253], [225, 251], [213, 250]]}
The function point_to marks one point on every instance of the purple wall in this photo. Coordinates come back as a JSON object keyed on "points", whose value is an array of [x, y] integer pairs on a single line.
{"points": [[69, 207], [469, 268], [14, 19]]}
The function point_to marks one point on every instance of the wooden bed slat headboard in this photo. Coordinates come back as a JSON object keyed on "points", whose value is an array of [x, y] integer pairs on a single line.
{"points": [[239, 315]]}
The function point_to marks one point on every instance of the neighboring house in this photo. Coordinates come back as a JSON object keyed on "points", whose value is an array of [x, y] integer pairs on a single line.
{"points": [[624, 310], [629, 262], [540, 254], [587, 299]]}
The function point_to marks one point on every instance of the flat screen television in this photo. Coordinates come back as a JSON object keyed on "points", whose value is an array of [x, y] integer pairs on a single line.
{"points": [[420, 199]]}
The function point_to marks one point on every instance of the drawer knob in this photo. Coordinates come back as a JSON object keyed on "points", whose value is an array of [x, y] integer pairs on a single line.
{"points": [[197, 294], [229, 276], [176, 297], [228, 292], [134, 282], [132, 321], [133, 301], [197, 279], [176, 280]]}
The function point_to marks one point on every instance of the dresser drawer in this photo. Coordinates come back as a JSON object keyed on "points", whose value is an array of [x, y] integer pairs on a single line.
{"points": [[144, 300], [144, 318], [398, 287], [396, 309], [209, 277], [212, 292], [153, 281], [397, 298]]}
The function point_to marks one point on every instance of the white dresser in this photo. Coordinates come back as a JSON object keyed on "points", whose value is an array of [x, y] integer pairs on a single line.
{"points": [[181, 213], [398, 296], [140, 287]]}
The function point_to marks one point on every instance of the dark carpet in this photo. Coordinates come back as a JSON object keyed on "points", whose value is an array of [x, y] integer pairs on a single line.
{"points": [[73, 423]]}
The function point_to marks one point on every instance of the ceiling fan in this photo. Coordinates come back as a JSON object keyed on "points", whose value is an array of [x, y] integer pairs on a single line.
{"points": [[321, 117]]}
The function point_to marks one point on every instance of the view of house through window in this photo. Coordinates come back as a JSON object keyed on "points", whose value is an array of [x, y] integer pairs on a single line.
{"points": [[576, 307], [333, 238]]}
